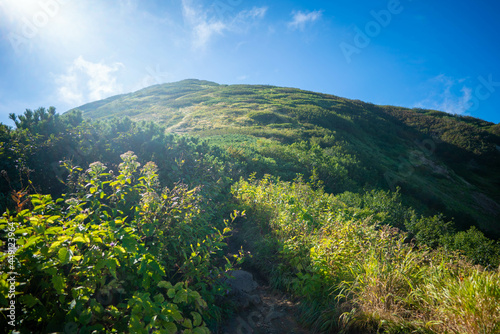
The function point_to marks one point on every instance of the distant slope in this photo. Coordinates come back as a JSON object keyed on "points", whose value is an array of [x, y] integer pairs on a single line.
{"points": [[441, 162]]}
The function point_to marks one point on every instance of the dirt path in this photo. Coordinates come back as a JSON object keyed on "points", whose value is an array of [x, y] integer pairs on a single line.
{"points": [[261, 310]]}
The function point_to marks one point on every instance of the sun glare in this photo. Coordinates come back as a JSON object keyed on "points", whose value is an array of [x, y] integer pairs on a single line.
{"points": [[42, 24], [21, 10]]}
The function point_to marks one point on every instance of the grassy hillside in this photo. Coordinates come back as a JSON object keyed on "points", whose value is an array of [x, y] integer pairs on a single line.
{"points": [[442, 163], [132, 216]]}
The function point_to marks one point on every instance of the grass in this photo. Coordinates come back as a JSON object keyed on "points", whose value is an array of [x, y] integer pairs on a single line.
{"points": [[466, 299], [357, 275], [335, 242]]}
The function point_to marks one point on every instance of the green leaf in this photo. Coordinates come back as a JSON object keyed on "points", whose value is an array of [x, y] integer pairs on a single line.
{"points": [[308, 217], [58, 283], [159, 298], [79, 238], [171, 328], [165, 284], [201, 330], [112, 264], [53, 230], [55, 245], [50, 270], [120, 249], [194, 295], [51, 219], [76, 258], [172, 312], [181, 296], [96, 307], [31, 241], [29, 300], [100, 264], [85, 317], [96, 240], [113, 311], [64, 255], [129, 243], [187, 323], [196, 318], [135, 324]]}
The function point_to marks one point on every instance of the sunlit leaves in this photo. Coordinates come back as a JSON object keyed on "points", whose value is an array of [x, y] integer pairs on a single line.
{"points": [[64, 255], [96, 260]]}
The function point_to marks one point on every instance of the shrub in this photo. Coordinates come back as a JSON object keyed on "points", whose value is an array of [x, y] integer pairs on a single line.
{"points": [[267, 117], [117, 255]]}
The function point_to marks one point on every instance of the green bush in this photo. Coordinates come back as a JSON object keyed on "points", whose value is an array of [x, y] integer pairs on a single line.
{"points": [[475, 245], [267, 117], [117, 255]]}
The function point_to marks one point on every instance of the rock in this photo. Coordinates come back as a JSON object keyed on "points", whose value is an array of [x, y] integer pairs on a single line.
{"points": [[242, 281], [242, 287]]}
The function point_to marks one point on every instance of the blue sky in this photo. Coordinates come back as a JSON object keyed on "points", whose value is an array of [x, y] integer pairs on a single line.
{"points": [[440, 55]]}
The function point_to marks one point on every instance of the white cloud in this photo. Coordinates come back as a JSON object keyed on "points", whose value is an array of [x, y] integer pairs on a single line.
{"points": [[206, 24], [85, 81], [203, 28], [189, 12], [204, 31], [447, 94], [246, 19], [300, 19], [254, 13]]}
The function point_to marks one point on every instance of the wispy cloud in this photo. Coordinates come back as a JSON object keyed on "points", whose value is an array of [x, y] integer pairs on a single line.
{"points": [[447, 94], [205, 24], [86, 81], [301, 19], [254, 13], [246, 19], [204, 31], [203, 27]]}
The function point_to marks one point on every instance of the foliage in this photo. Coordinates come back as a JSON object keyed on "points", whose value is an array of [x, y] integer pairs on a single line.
{"points": [[356, 274], [267, 117], [476, 246], [391, 234], [117, 255], [428, 154]]}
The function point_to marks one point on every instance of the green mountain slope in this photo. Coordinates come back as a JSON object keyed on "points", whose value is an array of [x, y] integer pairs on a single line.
{"points": [[131, 227], [441, 162]]}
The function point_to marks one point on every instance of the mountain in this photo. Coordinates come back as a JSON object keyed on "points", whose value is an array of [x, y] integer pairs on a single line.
{"points": [[193, 207], [441, 162]]}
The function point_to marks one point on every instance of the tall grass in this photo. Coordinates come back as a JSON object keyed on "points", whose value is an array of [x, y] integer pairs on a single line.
{"points": [[465, 302], [357, 275]]}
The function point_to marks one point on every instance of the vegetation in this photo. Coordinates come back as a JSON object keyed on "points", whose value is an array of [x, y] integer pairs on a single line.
{"points": [[377, 219], [440, 161], [354, 272], [104, 258]]}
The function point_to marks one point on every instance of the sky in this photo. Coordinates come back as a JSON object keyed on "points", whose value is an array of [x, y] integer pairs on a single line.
{"points": [[441, 55]]}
